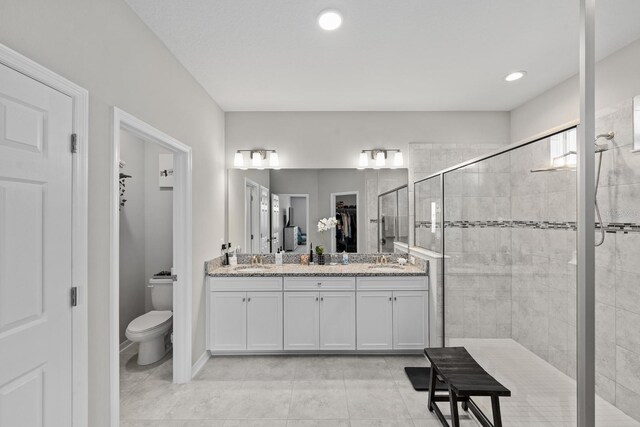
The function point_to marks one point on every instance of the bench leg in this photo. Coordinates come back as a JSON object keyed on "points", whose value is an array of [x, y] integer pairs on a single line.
{"points": [[495, 407], [432, 390], [453, 401]]}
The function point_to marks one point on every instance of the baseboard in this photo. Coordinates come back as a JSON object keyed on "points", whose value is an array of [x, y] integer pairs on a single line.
{"points": [[125, 345], [202, 360]]}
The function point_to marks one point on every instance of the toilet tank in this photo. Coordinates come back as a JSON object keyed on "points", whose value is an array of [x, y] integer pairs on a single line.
{"points": [[161, 294]]}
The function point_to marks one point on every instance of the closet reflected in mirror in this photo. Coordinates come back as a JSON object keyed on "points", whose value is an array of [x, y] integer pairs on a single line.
{"points": [[271, 210]]}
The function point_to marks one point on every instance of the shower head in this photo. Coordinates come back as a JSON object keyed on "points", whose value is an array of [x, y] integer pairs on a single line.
{"points": [[603, 147], [608, 136]]}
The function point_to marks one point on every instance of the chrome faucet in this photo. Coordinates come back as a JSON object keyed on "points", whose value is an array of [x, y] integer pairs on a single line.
{"points": [[383, 259], [256, 259]]}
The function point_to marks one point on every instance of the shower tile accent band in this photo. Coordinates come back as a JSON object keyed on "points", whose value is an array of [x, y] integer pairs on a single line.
{"points": [[612, 227]]}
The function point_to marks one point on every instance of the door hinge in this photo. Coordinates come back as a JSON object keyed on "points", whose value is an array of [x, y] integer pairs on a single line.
{"points": [[74, 143], [74, 296]]}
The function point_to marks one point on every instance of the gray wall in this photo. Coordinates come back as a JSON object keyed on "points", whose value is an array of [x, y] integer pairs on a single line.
{"points": [[318, 140], [616, 80], [132, 233], [105, 48], [299, 205]]}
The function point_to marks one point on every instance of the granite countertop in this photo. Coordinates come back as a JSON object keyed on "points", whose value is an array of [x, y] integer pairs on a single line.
{"points": [[354, 269]]}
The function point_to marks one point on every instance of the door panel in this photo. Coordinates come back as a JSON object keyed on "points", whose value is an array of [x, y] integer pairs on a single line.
{"points": [[265, 225], [228, 321], [264, 320], [337, 320], [410, 320], [375, 320], [275, 223], [35, 252], [301, 321]]}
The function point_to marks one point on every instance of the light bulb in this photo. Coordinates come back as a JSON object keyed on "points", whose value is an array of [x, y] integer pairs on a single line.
{"points": [[274, 161], [364, 160], [380, 159], [238, 160], [397, 159], [256, 159]]}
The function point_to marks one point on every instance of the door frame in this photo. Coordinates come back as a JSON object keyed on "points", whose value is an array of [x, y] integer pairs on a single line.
{"points": [[182, 248], [248, 215], [333, 214], [306, 197], [79, 231]]}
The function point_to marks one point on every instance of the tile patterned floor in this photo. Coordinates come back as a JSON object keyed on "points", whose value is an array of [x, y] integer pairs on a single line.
{"points": [[328, 391]]}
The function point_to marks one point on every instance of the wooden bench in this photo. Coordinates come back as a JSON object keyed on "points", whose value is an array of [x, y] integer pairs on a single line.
{"points": [[464, 378]]}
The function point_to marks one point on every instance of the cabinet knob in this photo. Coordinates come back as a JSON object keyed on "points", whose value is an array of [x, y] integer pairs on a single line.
{"points": [[321, 298], [244, 299], [248, 299], [316, 298], [395, 299], [389, 298], [319, 284]]}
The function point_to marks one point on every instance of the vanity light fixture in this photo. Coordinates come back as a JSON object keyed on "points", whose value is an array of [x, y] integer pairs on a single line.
{"points": [[398, 159], [379, 157], [516, 75], [330, 20], [238, 160], [260, 159], [364, 161]]}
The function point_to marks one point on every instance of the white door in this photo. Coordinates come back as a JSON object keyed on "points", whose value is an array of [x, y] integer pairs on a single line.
{"points": [[252, 218], [301, 321], [337, 320], [35, 253], [275, 223], [228, 321], [410, 320], [375, 320], [265, 222], [264, 320]]}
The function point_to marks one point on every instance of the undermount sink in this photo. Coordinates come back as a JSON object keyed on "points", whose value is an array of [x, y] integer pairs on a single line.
{"points": [[386, 267], [252, 268]]}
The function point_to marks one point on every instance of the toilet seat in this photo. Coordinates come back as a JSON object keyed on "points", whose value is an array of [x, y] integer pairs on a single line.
{"points": [[149, 321]]}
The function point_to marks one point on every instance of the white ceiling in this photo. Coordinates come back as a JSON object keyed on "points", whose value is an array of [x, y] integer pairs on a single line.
{"points": [[392, 55]]}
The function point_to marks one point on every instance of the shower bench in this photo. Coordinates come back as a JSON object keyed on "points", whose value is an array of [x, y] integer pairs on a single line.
{"points": [[464, 378]]}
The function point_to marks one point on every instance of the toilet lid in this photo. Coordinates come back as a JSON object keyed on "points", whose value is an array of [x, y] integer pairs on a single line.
{"points": [[149, 321]]}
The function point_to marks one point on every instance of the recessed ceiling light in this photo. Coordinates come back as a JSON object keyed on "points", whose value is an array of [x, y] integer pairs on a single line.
{"points": [[516, 75], [329, 19]]}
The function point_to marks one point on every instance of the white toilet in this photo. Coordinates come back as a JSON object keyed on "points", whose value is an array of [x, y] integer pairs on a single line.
{"points": [[152, 329]]}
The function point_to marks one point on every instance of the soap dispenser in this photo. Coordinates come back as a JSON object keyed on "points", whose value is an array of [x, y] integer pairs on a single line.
{"points": [[279, 257]]}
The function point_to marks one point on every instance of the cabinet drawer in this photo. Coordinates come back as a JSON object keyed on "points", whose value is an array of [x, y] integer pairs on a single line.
{"points": [[392, 283], [319, 283], [247, 284]]}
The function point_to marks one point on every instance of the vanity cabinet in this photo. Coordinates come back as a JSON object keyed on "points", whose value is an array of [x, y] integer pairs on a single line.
{"points": [[392, 313], [249, 318], [319, 320], [306, 314]]}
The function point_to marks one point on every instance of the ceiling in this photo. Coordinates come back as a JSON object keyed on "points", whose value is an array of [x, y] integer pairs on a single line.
{"points": [[401, 55]]}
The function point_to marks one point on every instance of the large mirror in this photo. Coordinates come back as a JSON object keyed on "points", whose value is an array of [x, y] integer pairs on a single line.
{"points": [[280, 209]]}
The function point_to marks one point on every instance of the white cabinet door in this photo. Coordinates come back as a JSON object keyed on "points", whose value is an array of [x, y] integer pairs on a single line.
{"points": [[410, 330], [337, 320], [375, 320], [301, 321], [264, 320], [228, 319]]}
